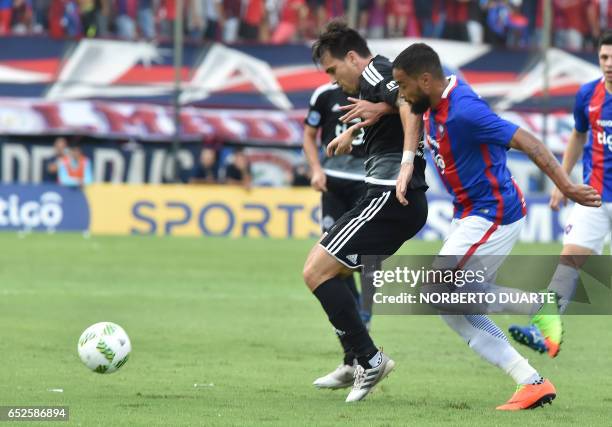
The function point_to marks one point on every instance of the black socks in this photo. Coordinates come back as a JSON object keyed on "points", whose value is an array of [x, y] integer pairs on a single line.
{"points": [[339, 304]]}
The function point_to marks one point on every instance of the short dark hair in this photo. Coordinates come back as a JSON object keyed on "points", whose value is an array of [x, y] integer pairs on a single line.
{"points": [[338, 39], [605, 38], [419, 58]]}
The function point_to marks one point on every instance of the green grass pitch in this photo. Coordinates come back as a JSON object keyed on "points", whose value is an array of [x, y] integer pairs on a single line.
{"points": [[225, 333]]}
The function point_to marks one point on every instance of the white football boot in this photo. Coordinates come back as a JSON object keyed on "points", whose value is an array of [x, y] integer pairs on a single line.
{"points": [[367, 379], [343, 376]]}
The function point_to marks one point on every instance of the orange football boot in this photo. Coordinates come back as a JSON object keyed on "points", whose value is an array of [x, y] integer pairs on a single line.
{"points": [[529, 396]]}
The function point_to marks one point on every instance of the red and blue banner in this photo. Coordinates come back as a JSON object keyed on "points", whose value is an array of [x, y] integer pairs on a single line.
{"points": [[260, 76]]}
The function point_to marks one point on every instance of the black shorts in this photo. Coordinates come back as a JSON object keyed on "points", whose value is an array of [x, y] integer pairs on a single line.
{"points": [[341, 196], [378, 225]]}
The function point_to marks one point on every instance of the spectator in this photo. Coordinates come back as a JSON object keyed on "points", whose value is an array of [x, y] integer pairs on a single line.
{"points": [[146, 19], [54, 18], [573, 23], [515, 23], [401, 19], [423, 9], [205, 172], [232, 10], [532, 11], [87, 13], [196, 19], [438, 18], [363, 18], [167, 16], [74, 169], [318, 13], [475, 22], [102, 12], [64, 19], [599, 15], [51, 165], [253, 19], [292, 16], [21, 17], [205, 19], [6, 9], [334, 9], [214, 17], [497, 22], [273, 9], [126, 18], [378, 18], [456, 18], [239, 170], [506, 24], [40, 10], [518, 26]]}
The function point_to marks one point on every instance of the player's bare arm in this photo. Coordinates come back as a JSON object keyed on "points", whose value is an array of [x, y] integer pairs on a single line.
{"points": [[311, 151], [368, 112], [546, 161], [412, 124], [573, 152], [343, 144]]}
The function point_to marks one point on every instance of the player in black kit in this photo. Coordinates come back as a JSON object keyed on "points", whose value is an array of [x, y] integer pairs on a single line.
{"points": [[340, 179], [381, 222]]}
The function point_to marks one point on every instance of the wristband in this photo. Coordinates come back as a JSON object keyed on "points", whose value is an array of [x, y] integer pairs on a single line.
{"points": [[408, 157]]}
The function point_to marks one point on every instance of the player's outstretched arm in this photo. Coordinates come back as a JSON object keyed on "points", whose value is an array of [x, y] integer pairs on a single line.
{"points": [[412, 124], [546, 161], [368, 112], [311, 151], [574, 150]]}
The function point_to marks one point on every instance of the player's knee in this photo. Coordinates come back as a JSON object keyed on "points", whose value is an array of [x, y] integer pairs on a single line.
{"points": [[314, 274], [309, 273], [575, 256]]}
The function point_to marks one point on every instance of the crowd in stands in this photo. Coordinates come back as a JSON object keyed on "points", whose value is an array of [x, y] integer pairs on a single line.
{"points": [[515, 23], [70, 167], [209, 170]]}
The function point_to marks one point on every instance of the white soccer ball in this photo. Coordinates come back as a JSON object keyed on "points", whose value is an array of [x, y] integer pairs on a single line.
{"points": [[104, 347]]}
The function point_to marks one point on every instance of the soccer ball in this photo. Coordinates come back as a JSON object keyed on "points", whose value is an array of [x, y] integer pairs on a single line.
{"points": [[104, 347]]}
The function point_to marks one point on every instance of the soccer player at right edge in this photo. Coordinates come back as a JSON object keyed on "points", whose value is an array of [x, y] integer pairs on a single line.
{"points": [[587, 227], [469, 143]]}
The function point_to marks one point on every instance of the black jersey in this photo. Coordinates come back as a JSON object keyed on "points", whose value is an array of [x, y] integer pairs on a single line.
{"points": [[325, 113], [384, 140]]}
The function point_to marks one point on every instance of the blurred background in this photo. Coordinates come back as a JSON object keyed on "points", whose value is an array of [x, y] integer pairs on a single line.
{"points": [[185, 117]]}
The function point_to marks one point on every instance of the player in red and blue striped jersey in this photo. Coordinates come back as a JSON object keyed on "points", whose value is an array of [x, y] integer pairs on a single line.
{"points": [[469, 143], [471, 157], [593, 114], [587, 227]]}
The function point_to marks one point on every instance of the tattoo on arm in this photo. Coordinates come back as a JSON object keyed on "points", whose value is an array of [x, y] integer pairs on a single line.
{"points": [[542, 157]]}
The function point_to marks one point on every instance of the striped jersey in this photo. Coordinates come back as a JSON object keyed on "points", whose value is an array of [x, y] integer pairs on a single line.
{"points": [[593, 114], [384, 140], [468, 143]]}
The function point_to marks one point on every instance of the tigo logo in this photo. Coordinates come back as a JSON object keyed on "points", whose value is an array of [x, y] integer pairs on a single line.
{"points": [[47, 212], [43, 208], [604, 139]]}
